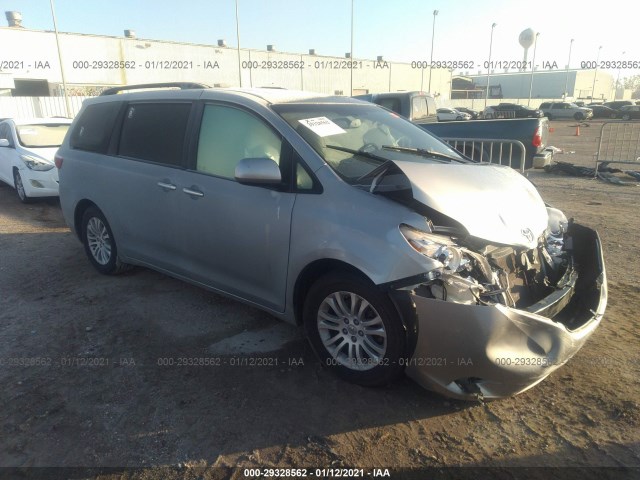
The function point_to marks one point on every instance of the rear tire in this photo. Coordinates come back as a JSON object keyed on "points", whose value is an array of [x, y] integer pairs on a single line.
{"points": [[354, 329], [19, 186], [99, 243]]}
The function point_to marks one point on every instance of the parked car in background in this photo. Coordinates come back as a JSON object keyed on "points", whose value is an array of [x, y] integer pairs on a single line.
{"points": [[511, 110], [474, 113], [617, 104], [450, 114], [532, 132], [629, 112], [380, 239], [556, 110], [419, 107], [27, 148], [602, 111]]}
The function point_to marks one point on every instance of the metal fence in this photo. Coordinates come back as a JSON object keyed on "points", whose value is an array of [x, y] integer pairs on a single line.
{"points": [[619, 143], [501, 114], [38, 107], [491, 150]]}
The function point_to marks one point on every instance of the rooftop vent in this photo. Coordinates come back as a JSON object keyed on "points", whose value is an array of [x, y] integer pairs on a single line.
{"points": [[130, 33], [222, 42], [347, 55], [271, 48], [312, 51]]}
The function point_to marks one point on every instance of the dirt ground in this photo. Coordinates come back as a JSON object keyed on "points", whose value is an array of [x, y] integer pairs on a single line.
{"points": [[84, 380]]}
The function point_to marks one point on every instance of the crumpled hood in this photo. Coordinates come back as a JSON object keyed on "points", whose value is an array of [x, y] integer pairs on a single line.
{"points": [[492, 202]]}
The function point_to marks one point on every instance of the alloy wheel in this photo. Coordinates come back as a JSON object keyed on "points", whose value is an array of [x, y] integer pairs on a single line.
{"points": [[99, 241], [20, 187], [352, 331]]}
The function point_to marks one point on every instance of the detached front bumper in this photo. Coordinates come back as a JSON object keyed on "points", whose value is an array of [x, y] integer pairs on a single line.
{"points": [[465, 351]]}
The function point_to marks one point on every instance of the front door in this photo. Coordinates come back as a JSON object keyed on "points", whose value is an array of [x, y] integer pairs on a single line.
{"points": [[236, 236]]}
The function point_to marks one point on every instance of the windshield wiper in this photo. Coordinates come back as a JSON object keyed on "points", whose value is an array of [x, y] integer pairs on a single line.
{"points": [[423, 152], [358, 152]]}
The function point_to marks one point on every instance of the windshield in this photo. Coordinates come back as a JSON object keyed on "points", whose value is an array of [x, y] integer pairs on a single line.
{"points": [[41, 135], [355, 139]]}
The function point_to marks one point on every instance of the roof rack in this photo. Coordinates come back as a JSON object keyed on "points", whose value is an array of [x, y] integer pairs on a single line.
{"points": [[141, 86]]}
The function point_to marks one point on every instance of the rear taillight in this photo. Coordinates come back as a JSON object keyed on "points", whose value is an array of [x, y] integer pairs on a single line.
{"points": [[58, 161], [536, 142]]}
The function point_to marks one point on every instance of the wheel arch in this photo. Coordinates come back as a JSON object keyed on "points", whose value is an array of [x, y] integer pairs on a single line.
{"points": [[400, 298], [14, 170], [311, 273], [78, 213]]}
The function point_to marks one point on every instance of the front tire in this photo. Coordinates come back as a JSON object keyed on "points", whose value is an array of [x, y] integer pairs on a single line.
{"points": [[578, 116], [99, 243], [488, 116], [355, 329], [19, 186]]}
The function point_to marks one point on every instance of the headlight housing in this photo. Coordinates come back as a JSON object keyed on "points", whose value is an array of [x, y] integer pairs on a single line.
{"points": [[436, 247], [34, 163]]}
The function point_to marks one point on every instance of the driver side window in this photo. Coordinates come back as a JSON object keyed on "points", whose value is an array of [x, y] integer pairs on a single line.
{"points": [[227, 135]]}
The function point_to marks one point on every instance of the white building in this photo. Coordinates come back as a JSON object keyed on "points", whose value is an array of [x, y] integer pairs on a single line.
{"points": [[32, 68], [550, 84]]}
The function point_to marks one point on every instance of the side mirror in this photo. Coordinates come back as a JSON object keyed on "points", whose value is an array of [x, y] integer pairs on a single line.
{"points": [[4, 142], [258, 171]]}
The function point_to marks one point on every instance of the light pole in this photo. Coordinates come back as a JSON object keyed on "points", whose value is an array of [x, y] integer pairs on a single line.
{"points": [[615, 95], [486, 93], [595, 74], [238, 37], [64, 81], [533, 68], [566, 83], [351, 51], [433, 34]]}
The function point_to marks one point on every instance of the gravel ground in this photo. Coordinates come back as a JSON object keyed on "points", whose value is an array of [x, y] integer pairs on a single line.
{"points": [[102, 394]]}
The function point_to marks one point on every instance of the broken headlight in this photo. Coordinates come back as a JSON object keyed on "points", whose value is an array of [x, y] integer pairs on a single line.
{"points": [[437, 247], [34, 163], [556, 228]]}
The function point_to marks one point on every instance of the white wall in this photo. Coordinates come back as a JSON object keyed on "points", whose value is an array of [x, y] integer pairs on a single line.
{"points": [[146, 57]]}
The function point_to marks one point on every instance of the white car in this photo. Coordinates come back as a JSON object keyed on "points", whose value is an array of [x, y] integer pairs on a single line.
{"points": [[27, 149], [448, 114]]}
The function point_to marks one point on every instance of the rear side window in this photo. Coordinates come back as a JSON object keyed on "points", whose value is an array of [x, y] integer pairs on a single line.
{"points": [[92, 131], [390, 103], [431, 104], [419, 108], [155, 132]]}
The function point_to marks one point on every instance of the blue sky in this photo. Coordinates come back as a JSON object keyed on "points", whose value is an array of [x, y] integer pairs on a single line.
{"points": [[398, 30]]}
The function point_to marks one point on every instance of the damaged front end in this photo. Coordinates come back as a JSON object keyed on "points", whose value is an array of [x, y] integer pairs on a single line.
{"points": [[494, 320]]}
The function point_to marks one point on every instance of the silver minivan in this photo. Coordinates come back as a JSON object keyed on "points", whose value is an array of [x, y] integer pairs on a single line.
{"points": [[394, 252]]}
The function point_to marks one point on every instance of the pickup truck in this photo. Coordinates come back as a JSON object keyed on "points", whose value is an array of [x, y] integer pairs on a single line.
{"points": [[532, 132]]}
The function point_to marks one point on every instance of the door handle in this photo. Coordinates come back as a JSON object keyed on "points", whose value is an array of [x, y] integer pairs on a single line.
{"points": [[167, 186], [193, 193]]}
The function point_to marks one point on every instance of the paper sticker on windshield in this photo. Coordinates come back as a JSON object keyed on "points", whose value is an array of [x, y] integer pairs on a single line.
{"points": [[322, 126]]}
